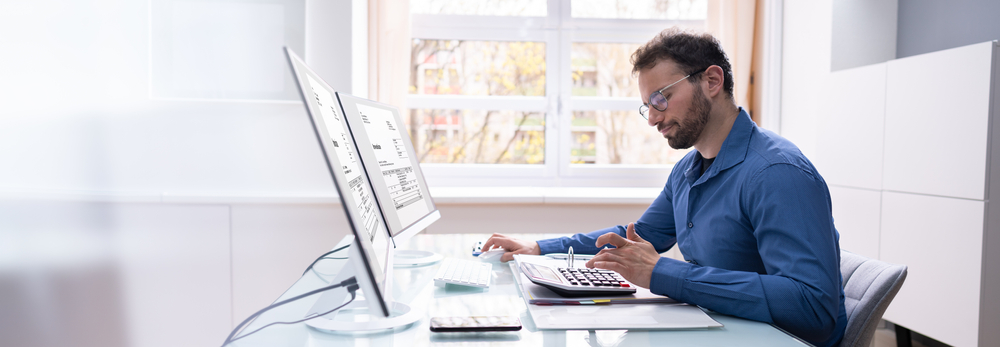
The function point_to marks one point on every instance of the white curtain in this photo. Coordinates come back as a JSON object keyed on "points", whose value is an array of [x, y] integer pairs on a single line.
{"points": [[733, 23]]}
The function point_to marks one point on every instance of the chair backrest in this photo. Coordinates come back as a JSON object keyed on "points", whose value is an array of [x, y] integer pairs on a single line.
{"points": [[869, 286]]}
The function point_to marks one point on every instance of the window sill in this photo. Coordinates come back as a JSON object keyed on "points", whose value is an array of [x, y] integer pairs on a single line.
{"points": [[442, 196], [544, 195]]}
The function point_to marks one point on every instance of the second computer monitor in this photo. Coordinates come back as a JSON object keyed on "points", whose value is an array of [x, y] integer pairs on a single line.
{"points": [[371, 252], [392, 164]]}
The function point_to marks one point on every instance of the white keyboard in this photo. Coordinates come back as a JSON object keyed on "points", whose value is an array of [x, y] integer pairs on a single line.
{"points": [[471, 273]]}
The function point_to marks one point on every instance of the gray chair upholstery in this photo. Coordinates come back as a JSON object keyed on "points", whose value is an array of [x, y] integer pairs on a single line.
{"points": [[869, 286]]}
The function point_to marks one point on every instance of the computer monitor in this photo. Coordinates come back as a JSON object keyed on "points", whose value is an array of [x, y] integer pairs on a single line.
{"points": [[371, 251], [392, 164]]}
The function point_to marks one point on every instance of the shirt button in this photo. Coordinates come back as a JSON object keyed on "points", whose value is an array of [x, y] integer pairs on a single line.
{"points": [[690, 225]]}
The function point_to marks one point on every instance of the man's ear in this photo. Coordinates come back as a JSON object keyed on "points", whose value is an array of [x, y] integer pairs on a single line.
{"points": [[714, 78]]}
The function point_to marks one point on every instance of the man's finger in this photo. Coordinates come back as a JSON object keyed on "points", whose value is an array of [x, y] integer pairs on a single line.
{"points": [[597, 257], [631, 234], [604, 255], [609, 265], [613, 239], [492, 241], [507, 256]]}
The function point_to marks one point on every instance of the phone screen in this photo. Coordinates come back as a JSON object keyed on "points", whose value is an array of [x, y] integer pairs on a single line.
{"points": [[475, 323]]}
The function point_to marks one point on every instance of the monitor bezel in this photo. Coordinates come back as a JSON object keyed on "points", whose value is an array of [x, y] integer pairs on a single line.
{"points": [[374, 278]]}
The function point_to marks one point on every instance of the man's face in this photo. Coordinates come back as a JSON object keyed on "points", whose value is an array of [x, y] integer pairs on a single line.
{"points": [[687, 107]]}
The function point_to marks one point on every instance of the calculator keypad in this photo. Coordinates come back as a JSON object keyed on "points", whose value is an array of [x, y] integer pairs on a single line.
{"points": [[593, 277]]}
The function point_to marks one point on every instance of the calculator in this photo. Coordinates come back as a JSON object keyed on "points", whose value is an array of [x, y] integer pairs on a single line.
{"points": [[573, 282]]}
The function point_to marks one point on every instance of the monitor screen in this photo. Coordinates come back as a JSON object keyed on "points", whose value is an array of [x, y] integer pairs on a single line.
{"points": [[393, 165], [343, 162]]}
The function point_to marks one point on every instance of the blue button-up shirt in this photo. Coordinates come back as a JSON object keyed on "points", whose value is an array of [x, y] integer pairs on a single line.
{"points": [[756, 230]]}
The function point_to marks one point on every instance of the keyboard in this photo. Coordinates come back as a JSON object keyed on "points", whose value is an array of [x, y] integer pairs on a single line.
{"points": [[472, 273]]}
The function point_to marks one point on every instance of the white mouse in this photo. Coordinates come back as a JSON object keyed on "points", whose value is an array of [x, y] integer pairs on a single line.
{"points": [[492, 255]]}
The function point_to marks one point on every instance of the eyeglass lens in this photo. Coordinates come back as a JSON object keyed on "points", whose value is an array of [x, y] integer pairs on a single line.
{"points": [[658, 101]]}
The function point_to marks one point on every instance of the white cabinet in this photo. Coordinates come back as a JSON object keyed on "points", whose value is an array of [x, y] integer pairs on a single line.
{"points": [[856, 215], [849, 146], [937, 114], [925, 140], [940, 239], [273, 244], [175, 265], [114, 274]]}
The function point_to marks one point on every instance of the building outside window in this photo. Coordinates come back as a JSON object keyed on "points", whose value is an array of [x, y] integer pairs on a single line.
{"points": [[537, 92]]}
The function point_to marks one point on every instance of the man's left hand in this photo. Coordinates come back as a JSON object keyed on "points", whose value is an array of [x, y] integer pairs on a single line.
{"points": [[634, 258]]}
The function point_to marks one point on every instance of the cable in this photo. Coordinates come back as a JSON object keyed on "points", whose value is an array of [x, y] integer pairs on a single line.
{"points": [[353, 296], [321, 258], [350, 283]]}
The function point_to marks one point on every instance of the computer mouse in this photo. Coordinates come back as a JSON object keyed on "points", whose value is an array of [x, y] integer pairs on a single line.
{"points": [[493, 255]]}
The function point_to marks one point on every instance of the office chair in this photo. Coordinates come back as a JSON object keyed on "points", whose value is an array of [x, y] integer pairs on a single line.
{"points": [[869, 286]]}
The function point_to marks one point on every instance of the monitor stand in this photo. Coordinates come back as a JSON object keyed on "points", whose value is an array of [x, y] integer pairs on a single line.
{"points": [[413, 258], [358, 315]]}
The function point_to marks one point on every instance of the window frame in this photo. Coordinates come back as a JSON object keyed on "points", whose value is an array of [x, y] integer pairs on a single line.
{"points": [[558, 31]]}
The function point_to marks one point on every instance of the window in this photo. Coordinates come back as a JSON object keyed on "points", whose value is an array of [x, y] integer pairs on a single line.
{"points": [[537, 92]]}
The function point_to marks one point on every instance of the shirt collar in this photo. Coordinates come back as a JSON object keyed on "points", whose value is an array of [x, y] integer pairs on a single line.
{"points": [[734, 150]]}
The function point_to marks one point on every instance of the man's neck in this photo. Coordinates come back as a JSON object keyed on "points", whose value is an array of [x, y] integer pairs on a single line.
{"points": [[720, 122]]}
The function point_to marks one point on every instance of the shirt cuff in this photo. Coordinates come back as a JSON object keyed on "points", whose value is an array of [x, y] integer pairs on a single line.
{"points": [[668, 277], [551, 245]]}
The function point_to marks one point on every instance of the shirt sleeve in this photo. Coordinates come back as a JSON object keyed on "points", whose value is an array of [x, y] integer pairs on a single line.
{"points": [[656, 225], [790, 211]]}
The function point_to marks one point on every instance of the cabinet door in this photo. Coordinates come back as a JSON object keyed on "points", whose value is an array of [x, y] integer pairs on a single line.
{"points": [[856, 215], [936, 120], [940, 240], [273, 244], [849, 140], [175, 266]]}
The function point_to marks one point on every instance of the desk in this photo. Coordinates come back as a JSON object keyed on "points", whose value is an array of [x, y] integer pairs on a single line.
{"points": [[414, 286]]}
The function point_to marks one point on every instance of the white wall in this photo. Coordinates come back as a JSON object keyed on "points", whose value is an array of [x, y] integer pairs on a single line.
{"points": [[864, 32], [820, 37], [80, 113], [805, 69], [121, 222]]}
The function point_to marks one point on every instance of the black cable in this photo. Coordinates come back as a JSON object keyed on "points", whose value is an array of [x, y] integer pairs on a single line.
{"points": [[353, 296], [321, 258], [350, 283]]}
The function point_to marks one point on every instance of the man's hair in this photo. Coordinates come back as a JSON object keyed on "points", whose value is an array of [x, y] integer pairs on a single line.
{"points": [[692, 52]]}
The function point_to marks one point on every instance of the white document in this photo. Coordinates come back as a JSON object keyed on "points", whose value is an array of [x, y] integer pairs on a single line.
{"points": [[395, 163], [343, 148], [647, 316]]}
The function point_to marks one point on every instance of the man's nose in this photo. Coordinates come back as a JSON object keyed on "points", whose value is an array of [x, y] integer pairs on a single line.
{"points": [[653, 117]]}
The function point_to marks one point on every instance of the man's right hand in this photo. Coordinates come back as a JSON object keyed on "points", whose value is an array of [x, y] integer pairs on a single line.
{"points": [[511, 246]]}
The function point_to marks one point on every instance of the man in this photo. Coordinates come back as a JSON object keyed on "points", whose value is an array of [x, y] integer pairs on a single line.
{"points": [[749, 212]]}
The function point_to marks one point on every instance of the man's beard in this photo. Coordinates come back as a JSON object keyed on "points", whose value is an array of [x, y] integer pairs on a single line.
{"points": [[691, 127]]}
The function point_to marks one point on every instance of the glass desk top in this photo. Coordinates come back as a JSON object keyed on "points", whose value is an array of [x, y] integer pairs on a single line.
{"points": [[415, 287]]}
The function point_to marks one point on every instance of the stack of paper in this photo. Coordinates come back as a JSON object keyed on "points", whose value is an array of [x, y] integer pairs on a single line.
{"points": [[548, 310]]}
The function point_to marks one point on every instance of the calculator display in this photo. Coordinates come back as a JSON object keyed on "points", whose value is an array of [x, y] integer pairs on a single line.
{"points": [[548, 274]]}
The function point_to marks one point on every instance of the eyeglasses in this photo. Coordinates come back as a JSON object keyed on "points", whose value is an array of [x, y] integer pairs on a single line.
{"points": [[659, 101]]}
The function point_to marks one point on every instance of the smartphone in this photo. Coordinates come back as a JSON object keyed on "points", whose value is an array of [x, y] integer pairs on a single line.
{"points": [[475, 323]]}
